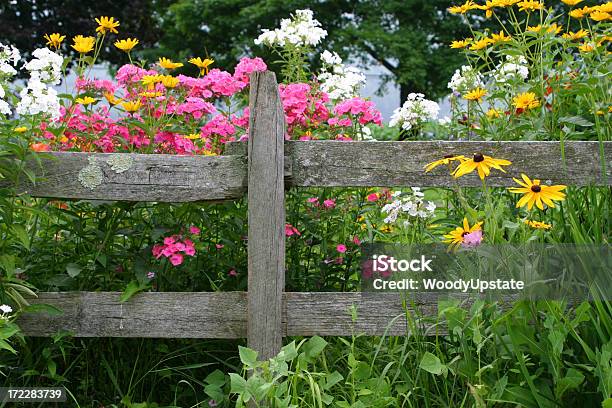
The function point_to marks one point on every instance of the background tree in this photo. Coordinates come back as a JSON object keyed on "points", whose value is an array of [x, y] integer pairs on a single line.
{"points": [[24, 23], [408, 37]]}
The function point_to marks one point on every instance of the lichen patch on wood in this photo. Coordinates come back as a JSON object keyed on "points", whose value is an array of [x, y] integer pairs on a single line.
{"points": [[120, 163], [91, 176]]}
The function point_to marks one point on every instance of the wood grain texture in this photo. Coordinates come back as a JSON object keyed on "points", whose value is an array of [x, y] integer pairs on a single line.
{"points": [[266, 199], [335, 163], [151, 314], [223, 314], [151, 177]]}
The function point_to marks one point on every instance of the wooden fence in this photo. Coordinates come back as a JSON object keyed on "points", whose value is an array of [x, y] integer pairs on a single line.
{"points": [[266, 313]]}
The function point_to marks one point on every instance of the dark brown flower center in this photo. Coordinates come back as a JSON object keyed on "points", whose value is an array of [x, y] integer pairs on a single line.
{"points": [[449, 156], [478, 157], [536, 189]]}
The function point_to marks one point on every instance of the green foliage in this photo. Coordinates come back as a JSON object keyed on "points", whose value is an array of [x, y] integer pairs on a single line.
{"points": [[409, 38]]}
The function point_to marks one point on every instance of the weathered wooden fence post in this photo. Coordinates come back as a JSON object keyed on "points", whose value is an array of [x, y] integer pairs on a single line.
{"points": [[266, 199]]}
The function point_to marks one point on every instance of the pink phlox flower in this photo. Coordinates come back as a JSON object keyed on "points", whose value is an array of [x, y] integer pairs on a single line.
{"points": [[246, 66], [329, 204], [291, 230], [364, 111]]}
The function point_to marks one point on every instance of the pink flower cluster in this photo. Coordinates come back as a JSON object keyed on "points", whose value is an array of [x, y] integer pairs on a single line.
{"points": [[290, 230], [355, 108], [246, 66], [175, 247], [302, 107], [327, 204]]}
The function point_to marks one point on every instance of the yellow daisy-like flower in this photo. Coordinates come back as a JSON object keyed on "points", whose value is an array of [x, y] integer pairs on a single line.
{"points": [[150, 94], [586, 47], [193, 136], [106, 24], [203, 64], [461, 43], [20, 129], [168, 64], [54, 40], [480, 44], [527, 100], [446, 160], [501, 37], [534, 29], [488, 8], [493, 113], [83, 45], [538, 224], [554, 28], [131, 106], [455, 237], [598, 15], [576, 35], [606, 7], [385, 228], [580, 12], [481, 163], [127, 44], [530, 5], [475, 94], [87, 100], [150, 80], [571, 2], [169, 81], [535, 193], [112, 99], [464, 8]]}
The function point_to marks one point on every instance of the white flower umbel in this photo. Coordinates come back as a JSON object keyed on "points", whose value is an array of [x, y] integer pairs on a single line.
{"points": [[6, 309], [410, 205], [465, 79], [37, 98], [46, 66], [9, 56], [302, 29], [415, 111], [338, 80], [515, 67]]}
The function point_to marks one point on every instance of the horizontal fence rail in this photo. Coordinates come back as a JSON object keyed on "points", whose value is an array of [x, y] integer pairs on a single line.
{"points": [[167, 178], [221, 315], [139, 177]]}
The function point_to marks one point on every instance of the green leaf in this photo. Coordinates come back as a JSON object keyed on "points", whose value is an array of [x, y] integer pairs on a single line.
{"points": [[314, 346], [132, 288], [237, 384], [571, 381], [576, 120], [247, 356], [73, 270], [22, 235], [432, 364], [41, 307]]}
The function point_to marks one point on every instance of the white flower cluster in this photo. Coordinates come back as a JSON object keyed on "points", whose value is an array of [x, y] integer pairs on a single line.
{"points": [[465, 79], [9, 56], [411, 203], [37, 97], [514, 67], [300, 30], [414, 111], [45, 66], [338, 80], [5, 309]]}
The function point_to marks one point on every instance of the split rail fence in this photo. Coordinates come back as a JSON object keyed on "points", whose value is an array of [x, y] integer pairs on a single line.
{"points": [[266, 312]]}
